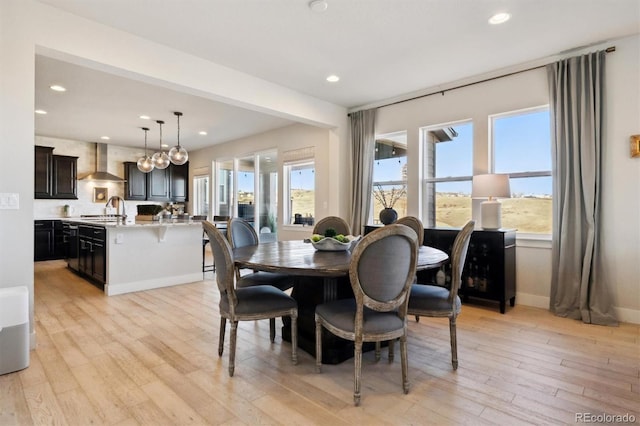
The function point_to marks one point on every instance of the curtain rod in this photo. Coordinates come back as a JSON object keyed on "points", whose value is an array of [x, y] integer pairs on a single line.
{"points": [[607, 50]]}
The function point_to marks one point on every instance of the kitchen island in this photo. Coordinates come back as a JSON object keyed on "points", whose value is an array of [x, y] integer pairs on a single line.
{"points": [[126, 257]]}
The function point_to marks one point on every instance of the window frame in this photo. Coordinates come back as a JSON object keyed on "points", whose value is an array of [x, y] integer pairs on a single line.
{"points": [[519, 175]]}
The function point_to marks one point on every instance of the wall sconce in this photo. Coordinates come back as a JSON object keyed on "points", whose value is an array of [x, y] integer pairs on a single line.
{"points": [[491, 186], [635, 145]]}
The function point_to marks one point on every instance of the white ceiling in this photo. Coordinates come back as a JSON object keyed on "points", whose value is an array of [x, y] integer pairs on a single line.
{"points": [[381, 49]]}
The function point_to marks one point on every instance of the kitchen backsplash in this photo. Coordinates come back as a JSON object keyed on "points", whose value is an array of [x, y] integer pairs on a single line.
{"points": [[86, 153]]}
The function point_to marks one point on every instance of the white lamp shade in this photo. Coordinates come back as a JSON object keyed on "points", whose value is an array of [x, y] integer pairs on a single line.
{"points": [[491, 186]]}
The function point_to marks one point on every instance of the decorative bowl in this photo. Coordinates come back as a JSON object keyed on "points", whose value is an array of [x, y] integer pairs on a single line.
{"points": [[331, 244]]}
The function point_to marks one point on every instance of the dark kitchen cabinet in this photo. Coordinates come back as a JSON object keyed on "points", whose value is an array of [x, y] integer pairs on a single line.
{"points": [[179, 178], [158, 184], [65, 170], [43, 183], [170, 184], [92, 253], [55, 175], [135, 187], [48, 241]]}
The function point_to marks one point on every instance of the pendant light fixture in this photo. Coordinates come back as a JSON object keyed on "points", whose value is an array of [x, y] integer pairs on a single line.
{"points": [[178, 155], [145, 164], [160, 158]]}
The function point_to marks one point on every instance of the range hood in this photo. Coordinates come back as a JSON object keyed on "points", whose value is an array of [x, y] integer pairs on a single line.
{"points": [[101, 172]]}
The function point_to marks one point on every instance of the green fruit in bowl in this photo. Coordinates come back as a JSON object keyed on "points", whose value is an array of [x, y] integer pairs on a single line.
{"points": [[330, 232], [315, 238]]}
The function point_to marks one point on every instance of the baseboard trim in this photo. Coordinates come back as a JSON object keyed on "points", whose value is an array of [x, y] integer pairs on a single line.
{"points": [[130, 287]]}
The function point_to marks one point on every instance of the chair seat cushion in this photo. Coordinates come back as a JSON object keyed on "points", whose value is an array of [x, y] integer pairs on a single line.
{"points": [[342, 313], [259, 299], [431, 298], [280, 281]]}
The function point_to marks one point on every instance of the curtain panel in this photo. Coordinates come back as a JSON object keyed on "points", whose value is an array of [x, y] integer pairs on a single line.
{"points": [[362, 153], [579, 289]]}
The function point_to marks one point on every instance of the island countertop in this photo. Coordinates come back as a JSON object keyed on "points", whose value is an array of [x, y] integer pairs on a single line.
{"points": [[119, 223]]}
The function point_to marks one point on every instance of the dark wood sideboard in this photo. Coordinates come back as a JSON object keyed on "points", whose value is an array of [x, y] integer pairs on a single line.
{"points": [[490, 268]]}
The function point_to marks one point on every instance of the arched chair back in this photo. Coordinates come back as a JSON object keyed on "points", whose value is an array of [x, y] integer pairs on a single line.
{"points": [[415, 224], [381, 271], [240, 233], [339, 224]]}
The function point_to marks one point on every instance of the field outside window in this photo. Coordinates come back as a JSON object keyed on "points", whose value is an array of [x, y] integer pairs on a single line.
{"points": [[522, 148]]}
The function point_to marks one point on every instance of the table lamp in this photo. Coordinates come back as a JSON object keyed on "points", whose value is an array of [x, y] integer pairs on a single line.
{"points": [[491, 186]]}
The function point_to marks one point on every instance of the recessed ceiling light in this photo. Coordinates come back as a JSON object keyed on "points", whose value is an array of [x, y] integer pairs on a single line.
{"points": [[318, 6], [333, 78], [145, 117], [499, 18], [203, 133], [105, 138], [58, 88], [40, 111]]}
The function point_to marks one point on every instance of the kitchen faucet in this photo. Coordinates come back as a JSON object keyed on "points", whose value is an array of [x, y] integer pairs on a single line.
{"points": [[115, 201]]}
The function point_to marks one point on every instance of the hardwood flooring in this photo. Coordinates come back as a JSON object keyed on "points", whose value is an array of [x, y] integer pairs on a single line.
{"points": [[150, 358]]}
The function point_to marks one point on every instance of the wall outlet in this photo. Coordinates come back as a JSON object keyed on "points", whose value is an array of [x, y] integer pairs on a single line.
{"points": [[119, 238], [9, 201]]}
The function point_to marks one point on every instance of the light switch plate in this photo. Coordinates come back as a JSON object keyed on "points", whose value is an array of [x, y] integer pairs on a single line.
{"points": [[9, 201]]}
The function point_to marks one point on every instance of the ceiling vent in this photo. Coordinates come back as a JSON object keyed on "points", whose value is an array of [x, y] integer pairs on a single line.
{"points": [[101, 172]]}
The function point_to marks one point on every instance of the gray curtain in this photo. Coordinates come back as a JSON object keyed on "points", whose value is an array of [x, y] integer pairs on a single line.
{"points": [[579, 290], [362, 152]]}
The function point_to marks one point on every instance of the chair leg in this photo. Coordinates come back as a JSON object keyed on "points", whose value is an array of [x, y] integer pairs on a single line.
{"points": [[417, 318], [318, 345], [272, 329], [392, 355], [378, 351], [405, 362], [232, 347], [357, 359], [223, 324], [454, 342], [294, 339]]}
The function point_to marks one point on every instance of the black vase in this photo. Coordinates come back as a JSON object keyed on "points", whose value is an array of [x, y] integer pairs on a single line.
{"points": [[388, 215]]}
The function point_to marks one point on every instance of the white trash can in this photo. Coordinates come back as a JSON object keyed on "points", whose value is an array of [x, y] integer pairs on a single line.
{"points": [[14, 329]]}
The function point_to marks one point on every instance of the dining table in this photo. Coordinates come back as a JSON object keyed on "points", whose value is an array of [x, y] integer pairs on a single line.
{"points": [[319, 277]]}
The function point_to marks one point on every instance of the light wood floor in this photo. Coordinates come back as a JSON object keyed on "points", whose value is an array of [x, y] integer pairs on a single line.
{"points": [[150, 358]]}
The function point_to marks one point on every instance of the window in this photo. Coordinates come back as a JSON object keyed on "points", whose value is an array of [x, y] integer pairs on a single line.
{"points": [[299, 187], [389, 175], [224, 188], [201, 195], [447, 170], [522, 148]]}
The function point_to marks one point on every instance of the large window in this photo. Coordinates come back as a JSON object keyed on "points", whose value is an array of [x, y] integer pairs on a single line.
{"points": [[522, 148], [447, 174], [299, 187], [390, 175]]}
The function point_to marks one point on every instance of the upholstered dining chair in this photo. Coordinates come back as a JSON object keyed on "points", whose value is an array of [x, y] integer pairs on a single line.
{"points": [[381, 271], [248, 303], [415, 224], [240, 233], [435, 301], [339, 224]]}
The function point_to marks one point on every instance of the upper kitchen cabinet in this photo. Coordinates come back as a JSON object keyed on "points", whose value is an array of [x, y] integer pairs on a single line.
{"points": [[55, 175], [179, 189], [170, 184]]}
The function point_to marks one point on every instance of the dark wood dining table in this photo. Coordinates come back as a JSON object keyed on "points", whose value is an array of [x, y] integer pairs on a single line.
{"points": [[320, 276]]}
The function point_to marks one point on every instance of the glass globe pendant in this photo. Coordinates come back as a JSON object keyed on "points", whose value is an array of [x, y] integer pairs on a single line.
{"points": [[145, 164], [160, 158], [178, 155]]}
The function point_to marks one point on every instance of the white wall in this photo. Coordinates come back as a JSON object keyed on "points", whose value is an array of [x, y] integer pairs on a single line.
{"points": [[621, 190], [27, 26]]}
